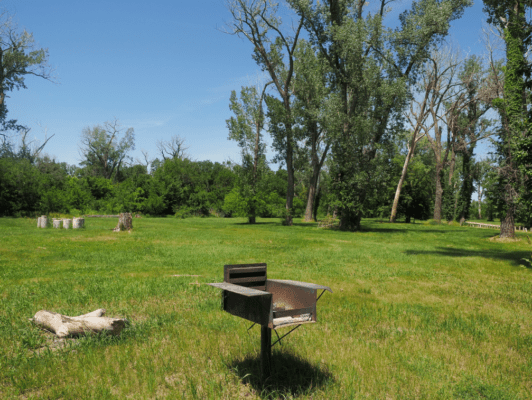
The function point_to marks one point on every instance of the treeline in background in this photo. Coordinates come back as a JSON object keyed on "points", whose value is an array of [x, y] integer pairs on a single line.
{"points": [[365, 119], [174, 185]]}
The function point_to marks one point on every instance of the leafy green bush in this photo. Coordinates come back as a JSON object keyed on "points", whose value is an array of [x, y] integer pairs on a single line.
{"points": [[183, 212]]}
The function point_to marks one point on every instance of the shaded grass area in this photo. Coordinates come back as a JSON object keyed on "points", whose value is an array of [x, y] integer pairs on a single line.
{"points": [[418, 311]]}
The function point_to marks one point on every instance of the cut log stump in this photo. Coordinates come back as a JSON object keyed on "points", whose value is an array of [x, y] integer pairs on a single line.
{"points": [[125, 222], [42, 221], [57, 223], [93, 322], [66, 223], [78, 223]]}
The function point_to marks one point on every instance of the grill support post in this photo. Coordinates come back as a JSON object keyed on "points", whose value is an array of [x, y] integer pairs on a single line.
{"points": [[265, 351]]}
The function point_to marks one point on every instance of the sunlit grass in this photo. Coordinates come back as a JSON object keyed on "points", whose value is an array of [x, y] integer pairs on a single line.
{"points": [[418, 311]]}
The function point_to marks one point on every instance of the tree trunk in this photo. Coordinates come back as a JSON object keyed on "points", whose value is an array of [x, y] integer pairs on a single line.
{"points": [[508, 225], [317, 202], [125, 222], [93, 322], [252, 215], [402, 179], [310, 200], [256, 149], [290, 189], [350, 220], [312, 190], [317, 164], [439, 194], [479, 202]]}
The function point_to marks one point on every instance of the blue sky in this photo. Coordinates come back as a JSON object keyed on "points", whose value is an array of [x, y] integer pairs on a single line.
{"points": [[161, 67]]}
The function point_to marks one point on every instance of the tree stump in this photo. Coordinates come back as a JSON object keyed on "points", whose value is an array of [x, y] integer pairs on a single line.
{"points": [[42, 222], [78, 223], [93, 322], [57, 223], [66, 223], [125, 222]]}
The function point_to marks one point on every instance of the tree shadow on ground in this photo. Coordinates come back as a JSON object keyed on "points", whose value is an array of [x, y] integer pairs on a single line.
{"points": [[432, 228], [311, 224], [515, 257], [257, 223], [368, 229], [291, 375], [299, 224]]}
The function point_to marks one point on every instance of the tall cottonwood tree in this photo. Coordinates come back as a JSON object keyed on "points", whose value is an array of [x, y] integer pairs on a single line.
{"points": [[310, 105], [19, 57], [471, 125], [371, 66], [273, 50], [246, 127], [515, 138]]}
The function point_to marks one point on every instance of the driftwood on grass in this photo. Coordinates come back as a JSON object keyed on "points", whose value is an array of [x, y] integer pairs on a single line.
{"points": [[93, 322]]}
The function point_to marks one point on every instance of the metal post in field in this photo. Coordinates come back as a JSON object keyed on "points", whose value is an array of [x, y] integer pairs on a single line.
{"points": [[265, 351]]}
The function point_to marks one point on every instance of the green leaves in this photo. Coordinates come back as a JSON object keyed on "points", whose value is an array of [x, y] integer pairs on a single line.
{"points": [[249, 117], [105, 148], [19, 57], [370, 68]]}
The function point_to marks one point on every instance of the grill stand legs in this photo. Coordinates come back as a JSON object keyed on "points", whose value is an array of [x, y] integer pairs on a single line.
{"points": [[265, 351]]}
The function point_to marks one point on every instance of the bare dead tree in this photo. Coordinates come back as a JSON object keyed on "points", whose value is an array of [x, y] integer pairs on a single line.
{"points": [[460, 100], [31, 149], [419, 112], [173, 148], [145, 160], [443, 65]]}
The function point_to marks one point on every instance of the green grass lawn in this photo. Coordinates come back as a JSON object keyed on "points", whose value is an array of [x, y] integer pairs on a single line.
{"points": [[418, 312]]}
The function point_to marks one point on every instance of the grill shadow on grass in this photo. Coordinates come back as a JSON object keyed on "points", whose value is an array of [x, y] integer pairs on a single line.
{"points": [[291, 375]]}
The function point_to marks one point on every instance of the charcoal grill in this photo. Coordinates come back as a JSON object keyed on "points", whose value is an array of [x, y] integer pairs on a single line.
{"points": [[270, 303]]}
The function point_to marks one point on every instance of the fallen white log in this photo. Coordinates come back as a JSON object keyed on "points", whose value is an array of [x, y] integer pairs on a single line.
{"points": [[93, 322]]}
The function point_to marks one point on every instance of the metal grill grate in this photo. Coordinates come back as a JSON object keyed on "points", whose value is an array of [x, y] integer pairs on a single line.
{"points": [[271, 303]]}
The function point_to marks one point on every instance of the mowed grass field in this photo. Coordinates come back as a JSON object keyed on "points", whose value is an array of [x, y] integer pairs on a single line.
{"points": [[418, 312]]}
